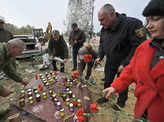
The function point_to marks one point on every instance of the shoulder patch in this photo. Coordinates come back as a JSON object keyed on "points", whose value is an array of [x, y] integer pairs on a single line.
{"points": [[140, 32]]}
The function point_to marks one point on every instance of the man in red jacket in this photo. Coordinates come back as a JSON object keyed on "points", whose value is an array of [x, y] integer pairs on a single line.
{"points": [[146, 68]]}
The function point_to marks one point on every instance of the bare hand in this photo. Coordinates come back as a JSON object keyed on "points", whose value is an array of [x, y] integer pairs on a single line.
{"points": [[75, 41], [78, 85], [70, 46], [65, 60], [120, 69], [109, 92], [6, 92], [97, 60], [24, 82], [51, 57]]}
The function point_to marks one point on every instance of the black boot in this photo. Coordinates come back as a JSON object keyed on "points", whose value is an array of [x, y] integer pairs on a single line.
{"points": [[102, 100]]}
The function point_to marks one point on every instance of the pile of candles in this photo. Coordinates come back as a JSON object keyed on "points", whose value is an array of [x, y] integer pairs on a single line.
{"points": [[36, 95]]}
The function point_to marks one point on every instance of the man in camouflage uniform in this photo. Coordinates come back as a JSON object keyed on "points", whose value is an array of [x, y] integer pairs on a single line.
{"points": [[5, 35], [9, 50]]}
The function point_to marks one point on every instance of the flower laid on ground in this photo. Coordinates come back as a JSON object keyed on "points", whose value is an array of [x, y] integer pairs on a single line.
{"points": [[54, 73], [74, 103], [80, 115], [93, 108], [65, 84], [75, 75]]}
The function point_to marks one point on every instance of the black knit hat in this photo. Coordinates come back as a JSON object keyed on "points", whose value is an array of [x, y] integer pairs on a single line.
{"points": [[154, 8], [74, 25]]}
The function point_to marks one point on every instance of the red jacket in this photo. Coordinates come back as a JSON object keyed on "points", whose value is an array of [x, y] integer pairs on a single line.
{"points": [[149, 83]]}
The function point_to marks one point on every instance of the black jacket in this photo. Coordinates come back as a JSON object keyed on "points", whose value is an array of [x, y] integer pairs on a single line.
{"points": [[79, 36], [119, 42], [58, 47]]}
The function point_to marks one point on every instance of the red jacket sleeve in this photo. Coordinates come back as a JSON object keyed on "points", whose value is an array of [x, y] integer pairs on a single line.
{"points": [[127, 75], [125, 79]]}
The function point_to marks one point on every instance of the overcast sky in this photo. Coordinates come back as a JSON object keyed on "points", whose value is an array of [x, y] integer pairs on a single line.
{"points": [[38, 13]]}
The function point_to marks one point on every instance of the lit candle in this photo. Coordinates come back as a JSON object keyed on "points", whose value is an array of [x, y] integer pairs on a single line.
{"points": [[22, 102], [47, 85], [70, 94], [55, 101], [36, 91], [62, 113], [51, 73], [53, 96], [44, 95], [50, 92], [29, 94], [71, 85], [79, 103], [64, 96], [31, 101], [44, 82], [22, 95], [67, 101], [58, 106], [73, 97], [38, 97], [71, 108], [29, 90]]}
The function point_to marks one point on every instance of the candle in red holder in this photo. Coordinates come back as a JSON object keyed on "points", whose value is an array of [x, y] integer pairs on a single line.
{"points": [[36, 76], [54, 73], [40, 87]]}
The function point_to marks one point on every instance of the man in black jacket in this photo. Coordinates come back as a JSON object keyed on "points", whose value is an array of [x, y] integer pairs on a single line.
{"points": [[76, 40], [120, 35], [57, 47]]}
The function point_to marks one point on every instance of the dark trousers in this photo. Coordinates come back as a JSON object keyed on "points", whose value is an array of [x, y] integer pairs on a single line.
{"points": [[110, 72], [74, 56], [61, 66], [143, 117], [81, 67]]}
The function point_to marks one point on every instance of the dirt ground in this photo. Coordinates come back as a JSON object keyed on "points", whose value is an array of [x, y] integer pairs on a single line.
{"points": [[105, 114]]}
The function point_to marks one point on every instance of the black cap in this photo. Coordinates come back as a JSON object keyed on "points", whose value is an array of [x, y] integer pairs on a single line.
{"points": [[154, 8], [74, 25]]}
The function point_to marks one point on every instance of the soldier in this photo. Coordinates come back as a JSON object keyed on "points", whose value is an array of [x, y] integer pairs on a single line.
{"points": [[57, 47], [9, 50], [5, 35], [76, 40], [118, 42]]}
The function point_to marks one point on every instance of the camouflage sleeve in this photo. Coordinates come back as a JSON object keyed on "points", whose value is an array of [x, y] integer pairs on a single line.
{"points": [[1, 89], [10, 70]]}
